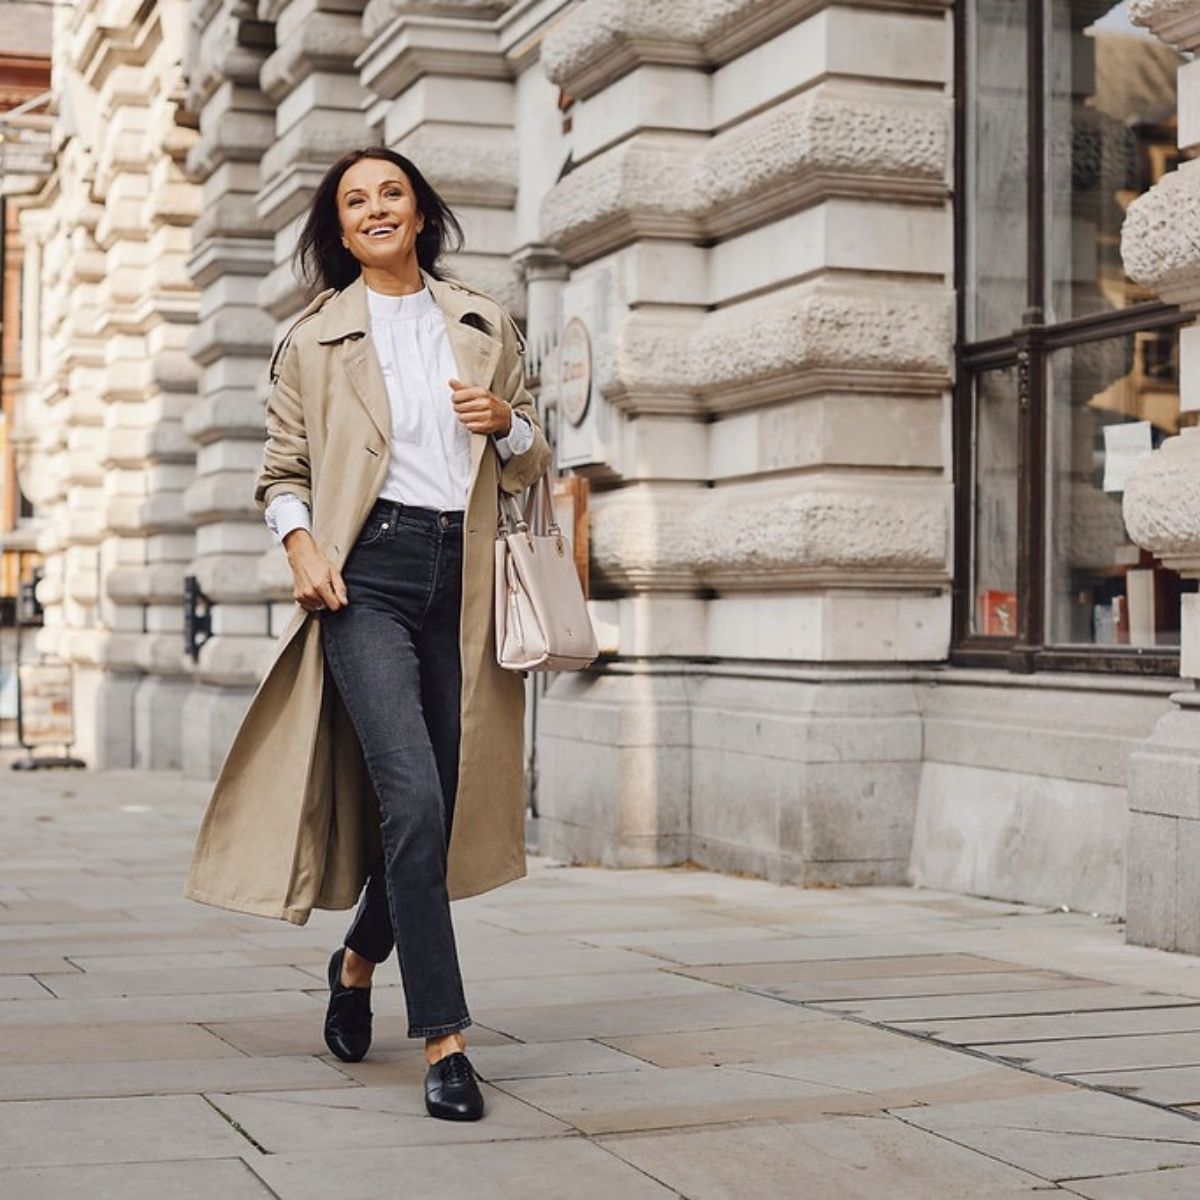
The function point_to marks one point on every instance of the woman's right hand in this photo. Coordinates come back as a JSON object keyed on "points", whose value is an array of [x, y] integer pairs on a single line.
{"points": [[316, 582]]}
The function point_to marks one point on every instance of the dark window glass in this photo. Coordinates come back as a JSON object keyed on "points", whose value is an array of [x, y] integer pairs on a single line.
{"points": [[997, 179], [1068, 114]]}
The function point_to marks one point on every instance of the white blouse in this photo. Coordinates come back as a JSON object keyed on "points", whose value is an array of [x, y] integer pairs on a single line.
{"points": [[430, 461]]}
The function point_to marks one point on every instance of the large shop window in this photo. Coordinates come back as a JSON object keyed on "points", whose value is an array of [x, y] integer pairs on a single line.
{"points": [[1067, 370]]}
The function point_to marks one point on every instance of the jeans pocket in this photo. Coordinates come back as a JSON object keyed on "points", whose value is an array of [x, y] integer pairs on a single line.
{"points": [[374, 530]]}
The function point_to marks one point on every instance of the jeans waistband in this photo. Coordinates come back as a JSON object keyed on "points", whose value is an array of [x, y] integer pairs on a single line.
{"points": [[432, 518]]}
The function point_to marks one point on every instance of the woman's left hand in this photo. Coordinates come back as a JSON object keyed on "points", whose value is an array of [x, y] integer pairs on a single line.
{"points": [[479, 410]]}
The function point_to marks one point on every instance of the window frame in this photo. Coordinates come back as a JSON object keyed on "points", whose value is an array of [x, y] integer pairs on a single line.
{"points": [[1028, 348]]}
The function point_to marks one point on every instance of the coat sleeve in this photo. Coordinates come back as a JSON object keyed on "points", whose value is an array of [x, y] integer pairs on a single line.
{"points": [[526, 468], [286, 466]]}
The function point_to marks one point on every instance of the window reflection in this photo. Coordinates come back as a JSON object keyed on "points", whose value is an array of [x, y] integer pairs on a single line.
{"points": [[1111, 109], [995, 504], [997, 137], [1111, 402]]}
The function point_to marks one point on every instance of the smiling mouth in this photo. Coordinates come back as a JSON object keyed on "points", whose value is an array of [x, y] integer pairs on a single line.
{"points": [[381, 231]]}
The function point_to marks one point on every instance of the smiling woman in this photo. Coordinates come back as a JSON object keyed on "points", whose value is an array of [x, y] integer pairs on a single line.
{"points": [[361, 195], [382, 760]]}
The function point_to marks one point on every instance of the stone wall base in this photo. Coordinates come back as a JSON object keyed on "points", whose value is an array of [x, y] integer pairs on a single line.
{"points": [[796, 781], [211, 715], [1014, 836], [1163, 880], [104, 717], [158, 713], [614, 769], [976, 782]]}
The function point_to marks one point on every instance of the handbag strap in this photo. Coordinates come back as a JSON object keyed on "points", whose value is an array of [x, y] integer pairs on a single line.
{"points": [[537, 513]]}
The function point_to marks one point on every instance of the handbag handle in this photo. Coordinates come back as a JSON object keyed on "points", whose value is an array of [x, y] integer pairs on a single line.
{"points": [[538, 511]]}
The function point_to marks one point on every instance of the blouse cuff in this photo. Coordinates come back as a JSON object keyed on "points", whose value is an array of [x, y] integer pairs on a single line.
{"points": [[286, 513], [517, 440]]}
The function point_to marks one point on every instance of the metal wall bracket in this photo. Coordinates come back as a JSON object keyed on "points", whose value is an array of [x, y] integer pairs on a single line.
{"points": [[197, 617]]}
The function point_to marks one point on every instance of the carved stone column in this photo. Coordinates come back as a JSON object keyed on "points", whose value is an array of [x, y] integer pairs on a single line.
{"points": [[231, 253], [1162, 513], [148, 306]]}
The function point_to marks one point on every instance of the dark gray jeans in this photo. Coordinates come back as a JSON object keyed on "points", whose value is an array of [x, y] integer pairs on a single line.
{"points": [[393, 654]]}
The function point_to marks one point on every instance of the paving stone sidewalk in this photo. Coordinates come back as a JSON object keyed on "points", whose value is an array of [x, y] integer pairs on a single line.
{"points": [[643, 1035]]}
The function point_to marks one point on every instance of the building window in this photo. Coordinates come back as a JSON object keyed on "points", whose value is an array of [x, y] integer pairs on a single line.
{"points": [[1067, 369]]}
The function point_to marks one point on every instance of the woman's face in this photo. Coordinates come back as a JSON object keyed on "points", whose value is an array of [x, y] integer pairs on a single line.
{"points": [[377, 209]]}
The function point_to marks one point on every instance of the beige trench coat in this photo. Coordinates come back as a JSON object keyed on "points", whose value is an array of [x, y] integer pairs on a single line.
{"points": [[293, 824]]}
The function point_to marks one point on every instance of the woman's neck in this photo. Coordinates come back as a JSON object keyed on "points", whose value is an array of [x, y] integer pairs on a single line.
{"points": [[403, 281]]}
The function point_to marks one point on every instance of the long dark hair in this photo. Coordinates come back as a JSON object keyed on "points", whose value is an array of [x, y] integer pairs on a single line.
{"points": [[323, 262]]}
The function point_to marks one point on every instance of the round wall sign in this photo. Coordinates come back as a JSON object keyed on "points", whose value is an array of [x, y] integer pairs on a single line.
{"points": [[574, 371]]}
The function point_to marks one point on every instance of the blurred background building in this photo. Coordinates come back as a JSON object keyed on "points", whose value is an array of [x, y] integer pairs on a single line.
{"points": [[25, 160], [828, 303]]}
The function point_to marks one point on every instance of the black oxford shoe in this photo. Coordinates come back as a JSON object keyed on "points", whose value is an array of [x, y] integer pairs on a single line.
{"points": [[348, 1017], [451, 1091]]}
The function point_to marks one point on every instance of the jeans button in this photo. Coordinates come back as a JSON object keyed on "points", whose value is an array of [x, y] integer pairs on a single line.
{"points": [[444, 521]]}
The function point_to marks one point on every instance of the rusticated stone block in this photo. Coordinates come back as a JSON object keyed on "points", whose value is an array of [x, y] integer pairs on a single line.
{"points": [[324, 41], [601, 40], [735, 539], [1156, 246], [830, 140], [467, 166], [1175, 21], [803, 339], [1162, 499]]}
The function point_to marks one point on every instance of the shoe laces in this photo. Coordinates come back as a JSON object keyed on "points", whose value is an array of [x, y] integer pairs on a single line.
{"points": [[456, 1069]]}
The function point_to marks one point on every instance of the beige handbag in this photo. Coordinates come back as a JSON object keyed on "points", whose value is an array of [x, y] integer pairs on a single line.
{"points": [[542, 621]]}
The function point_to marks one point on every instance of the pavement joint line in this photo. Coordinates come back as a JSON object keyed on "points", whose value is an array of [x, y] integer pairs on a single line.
{"points": [[1165, 1067], [207, 1027], [895, 1114], [1071, 1081], [232, 1123], [1094, 1037], [248, 1163], [640, 1170], [1049, 1012], [972, 1052]]}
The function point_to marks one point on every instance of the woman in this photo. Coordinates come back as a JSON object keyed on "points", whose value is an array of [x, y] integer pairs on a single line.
{"points": [[397, 407]]}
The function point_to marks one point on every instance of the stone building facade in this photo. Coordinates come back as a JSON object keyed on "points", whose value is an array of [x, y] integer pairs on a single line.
{"points": [[108, 377], [755, 215]]}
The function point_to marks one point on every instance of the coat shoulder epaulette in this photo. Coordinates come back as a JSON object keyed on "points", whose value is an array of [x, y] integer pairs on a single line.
{"points": [[310, 310], [506, 316]]}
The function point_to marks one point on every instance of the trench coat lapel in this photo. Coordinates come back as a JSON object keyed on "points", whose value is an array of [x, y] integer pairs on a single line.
{"points": [[344, 317], [362, 368]]}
